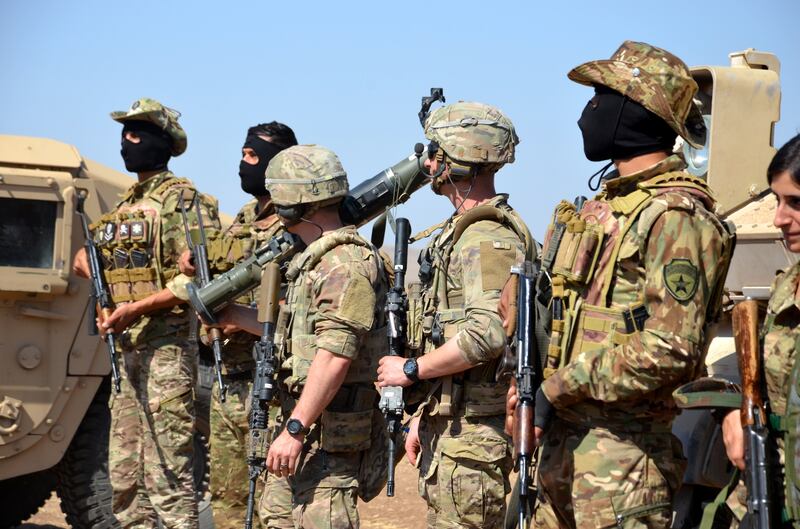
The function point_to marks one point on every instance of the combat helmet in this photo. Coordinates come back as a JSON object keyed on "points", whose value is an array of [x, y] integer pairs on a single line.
{"points": [[306, 174], [654, 78], [146, 109], [472, 133]]}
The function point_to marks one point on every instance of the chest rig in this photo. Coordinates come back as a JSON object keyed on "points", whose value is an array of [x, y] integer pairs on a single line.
{"points": [[436, 312], [130, 241], [581, 255], [296, 323]]}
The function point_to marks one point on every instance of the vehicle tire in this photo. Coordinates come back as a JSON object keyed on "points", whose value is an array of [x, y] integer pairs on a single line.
{"points": [[83, 482], [24, 495]]}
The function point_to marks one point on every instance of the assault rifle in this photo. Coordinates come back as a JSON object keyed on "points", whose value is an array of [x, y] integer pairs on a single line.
{"points": [[200, 258], [263, 383], [528, 377], [754, 417], [99, 294], [391, 403]]}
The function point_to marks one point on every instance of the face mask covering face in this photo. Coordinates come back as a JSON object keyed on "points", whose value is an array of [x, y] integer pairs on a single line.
{"points": [[151, 152], [252, 175]]}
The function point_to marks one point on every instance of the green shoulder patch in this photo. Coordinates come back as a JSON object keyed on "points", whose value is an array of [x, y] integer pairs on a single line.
{"points": [[681, 276]]}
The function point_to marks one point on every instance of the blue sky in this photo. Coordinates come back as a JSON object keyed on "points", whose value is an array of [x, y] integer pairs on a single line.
{"points": [[350, 76]]}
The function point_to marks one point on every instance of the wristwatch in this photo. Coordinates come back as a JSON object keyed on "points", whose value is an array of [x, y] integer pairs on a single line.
{"points": [[295, 427], [411, 370]]}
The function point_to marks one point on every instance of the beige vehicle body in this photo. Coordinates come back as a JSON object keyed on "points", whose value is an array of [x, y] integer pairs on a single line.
{"points": [[52, 368]]}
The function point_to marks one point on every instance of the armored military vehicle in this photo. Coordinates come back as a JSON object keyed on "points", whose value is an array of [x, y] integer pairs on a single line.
{"points": [[54, 380]]}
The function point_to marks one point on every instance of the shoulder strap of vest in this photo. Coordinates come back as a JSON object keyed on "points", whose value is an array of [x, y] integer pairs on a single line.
{"points": [[159, 194], [677, 179], [501, 216], [323, 246]]}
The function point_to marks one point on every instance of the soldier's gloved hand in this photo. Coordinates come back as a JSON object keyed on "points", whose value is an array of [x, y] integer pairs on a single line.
{"points": [[733, 437], [185, 264], [542, 415]]}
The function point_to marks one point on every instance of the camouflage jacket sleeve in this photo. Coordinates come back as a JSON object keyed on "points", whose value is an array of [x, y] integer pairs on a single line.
{"points": [[345, 300], [173, 236], [481, 260], [668, 349]]}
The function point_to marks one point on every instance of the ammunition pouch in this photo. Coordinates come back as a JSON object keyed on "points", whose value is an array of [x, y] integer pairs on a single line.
{"points": [[577, 254], [414, 317], [468, 399]]}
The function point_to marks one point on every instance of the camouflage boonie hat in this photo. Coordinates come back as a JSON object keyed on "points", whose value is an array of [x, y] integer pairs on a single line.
{"points": [[654, 78], [472, 133], [304, 174], [146, 109]]}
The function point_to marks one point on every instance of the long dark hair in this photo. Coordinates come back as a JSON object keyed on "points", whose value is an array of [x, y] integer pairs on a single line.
{"points": [[787, 159]]}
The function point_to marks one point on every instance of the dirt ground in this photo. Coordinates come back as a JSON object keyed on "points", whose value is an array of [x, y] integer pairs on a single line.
{"points": [[405, 510]]}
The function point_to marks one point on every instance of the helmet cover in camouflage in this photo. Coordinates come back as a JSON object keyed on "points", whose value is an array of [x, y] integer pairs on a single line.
{"points": [[472, 133], [654, 78], [305, 174], [146, 109]]}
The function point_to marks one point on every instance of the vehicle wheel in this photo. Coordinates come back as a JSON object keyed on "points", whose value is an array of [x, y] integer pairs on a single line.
{"points": [[83, 482], [23, 495]]}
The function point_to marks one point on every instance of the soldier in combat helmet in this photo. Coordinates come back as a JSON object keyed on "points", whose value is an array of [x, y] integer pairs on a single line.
{"points": [[457, 432], [141, 239], [329, 334], [255, 224], [632, 305]]}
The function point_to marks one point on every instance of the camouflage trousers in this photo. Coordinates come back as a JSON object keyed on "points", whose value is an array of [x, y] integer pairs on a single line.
{"points": [[152, 429], [464, 467], [321, 495], [229, 474], [594, 477]]}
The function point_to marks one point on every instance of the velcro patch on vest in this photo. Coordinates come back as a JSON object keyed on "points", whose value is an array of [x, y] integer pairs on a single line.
{"points": [[139, 230], [497, 258], [681, 278], [124, 231], [109, 231]]}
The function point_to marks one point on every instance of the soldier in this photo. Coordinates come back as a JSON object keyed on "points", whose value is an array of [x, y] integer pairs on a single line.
{"points": [[329, 335], [255, 224], [779, 338], [456, 437], [637, 276], [151, 446]]}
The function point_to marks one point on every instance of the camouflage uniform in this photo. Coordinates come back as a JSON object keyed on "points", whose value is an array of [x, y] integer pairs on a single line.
{"points": [[229, 419], [639, 271], [465, 457], [335, 299], [779, 336], [151, 449]]}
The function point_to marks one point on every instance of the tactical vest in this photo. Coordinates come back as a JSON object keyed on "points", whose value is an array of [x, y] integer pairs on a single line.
{"points": [[130, 241], [436, 314], [581, 252]]}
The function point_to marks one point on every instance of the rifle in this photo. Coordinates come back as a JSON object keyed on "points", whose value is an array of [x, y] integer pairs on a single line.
{"points": [[200, 257], [754, 416], [263, 383], [528, 377], [99, 294], [391, 403]]}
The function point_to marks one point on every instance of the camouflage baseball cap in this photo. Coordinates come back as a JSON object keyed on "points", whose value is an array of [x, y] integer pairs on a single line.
{"points": [[304, 174], [654, 78], [472, 133], [146, 109]]}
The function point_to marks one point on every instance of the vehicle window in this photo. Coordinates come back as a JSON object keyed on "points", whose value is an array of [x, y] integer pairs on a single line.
{"points": [[27, 232]]}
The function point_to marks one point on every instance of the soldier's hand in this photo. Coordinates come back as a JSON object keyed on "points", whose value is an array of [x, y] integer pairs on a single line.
{"points": [[185, 264], [412, 441], [121, 318], [733, 437], [80, 264], [283, 454], [511, 405], [227, 320], [504, 305], [390, 372]]}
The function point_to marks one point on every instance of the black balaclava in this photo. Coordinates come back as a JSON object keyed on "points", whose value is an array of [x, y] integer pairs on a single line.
{"points": [[153, 150], [253, 176], [615, 127]]}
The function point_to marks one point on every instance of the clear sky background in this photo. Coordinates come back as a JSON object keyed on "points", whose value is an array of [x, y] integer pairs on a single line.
{"points": [[349, 75]]}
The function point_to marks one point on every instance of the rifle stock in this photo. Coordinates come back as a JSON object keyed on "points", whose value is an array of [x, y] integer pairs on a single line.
{"points": [[754, 416], [99, 292], [263, 383]]}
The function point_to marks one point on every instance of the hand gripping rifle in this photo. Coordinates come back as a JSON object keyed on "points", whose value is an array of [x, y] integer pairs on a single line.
{"points": [[263, 383], [528, 377], [391, 403], [99, 294], [200, 258], [754, 416]]}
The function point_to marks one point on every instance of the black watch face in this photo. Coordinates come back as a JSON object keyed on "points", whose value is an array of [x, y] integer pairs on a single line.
{"points": [[294, 426], [410, 369]]}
